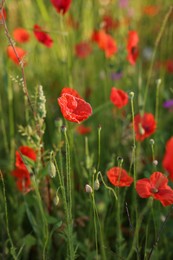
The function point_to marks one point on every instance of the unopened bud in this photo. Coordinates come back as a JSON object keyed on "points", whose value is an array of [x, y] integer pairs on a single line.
{"points": [[56, 200], [96, 184], [51, 169], [63, 128], [131, 94], [155, 162], [88, 188], [152, 141], [120, 159]]}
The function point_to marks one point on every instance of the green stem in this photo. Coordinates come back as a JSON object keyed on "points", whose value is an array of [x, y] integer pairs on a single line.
{"points": [[13, 250], [134, 137], [4, 132], [43, 9], [106, 186], [95, 225], [137, 229], [45, 224], [99, 148], [158, 39], [157, 101]]}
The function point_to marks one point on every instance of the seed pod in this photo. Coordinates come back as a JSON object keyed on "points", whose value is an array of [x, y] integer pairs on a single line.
{"points": [[56, 200], [88, 188], [96, 184], [51, 169]]}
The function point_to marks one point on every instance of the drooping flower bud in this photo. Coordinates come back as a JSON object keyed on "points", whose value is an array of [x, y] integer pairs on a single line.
{"points": [[51, 169], [88, 188]]}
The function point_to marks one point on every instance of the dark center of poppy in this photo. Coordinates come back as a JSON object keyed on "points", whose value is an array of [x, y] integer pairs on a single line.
{"points": [[154, 190], [134, 50]]}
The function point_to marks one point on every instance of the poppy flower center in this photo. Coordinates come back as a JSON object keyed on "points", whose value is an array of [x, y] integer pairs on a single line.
{"points": [[134, 50], [154, 190]]}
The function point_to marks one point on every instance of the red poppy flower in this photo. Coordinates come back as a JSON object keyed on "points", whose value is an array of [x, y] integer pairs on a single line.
{"points": [[70, 91], [156, 187], [26, 151], [151, 10], [21, 35], [169, 66], [42, 36], [73, 108], [83, 130], [22, 179], [118, 97], [144, 126], [83, 49], [105, 42], [4, 15], [132, 47], [61, 6], [119, 177], [12, 55], [24, 185], [109, 23], [168, 158]]}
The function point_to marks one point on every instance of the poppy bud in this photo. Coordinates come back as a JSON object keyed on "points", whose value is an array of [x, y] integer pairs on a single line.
{"points": [[51, 169], [88, 188], [96, 184], [131, 94], [152, 141], [155, 162], [56, 199]]}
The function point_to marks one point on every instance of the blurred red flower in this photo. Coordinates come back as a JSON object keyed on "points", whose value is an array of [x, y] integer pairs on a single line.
{"points": [[12, 55], [21, 35], [83, 130], [132, 47], [109, 23], [42, 36], [119, 177], [4, 15], [168, 158], [22, 179], [83, 49], [144, 126], [61, 6], [151, 10], [73, 108], [26, 151], [105, 42], [156, 187], [169, 66], [118, 97]]}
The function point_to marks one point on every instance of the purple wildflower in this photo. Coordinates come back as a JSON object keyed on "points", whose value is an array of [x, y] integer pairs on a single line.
{"points": [[116, 75], [168, 103], [123, 3]]}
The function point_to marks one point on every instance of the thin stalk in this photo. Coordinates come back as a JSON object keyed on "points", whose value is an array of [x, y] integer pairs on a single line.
{"points": [[25, 88], [45, 227], [118, 214], [69, 198], [4, 132], [136, 233], [157, 101], [134, 137], [158, 39], [11, 122], [106, 186], [43, 9], [68, 172], [95, 225], [159, 234], [99, 147], [13, 250]]}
